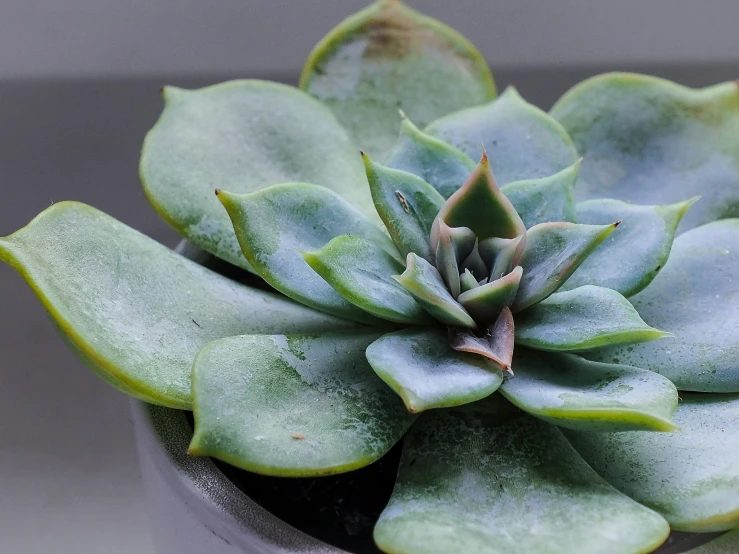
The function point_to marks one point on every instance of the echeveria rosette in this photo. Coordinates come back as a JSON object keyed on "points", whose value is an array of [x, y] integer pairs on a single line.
{"points": [[323, 360]]}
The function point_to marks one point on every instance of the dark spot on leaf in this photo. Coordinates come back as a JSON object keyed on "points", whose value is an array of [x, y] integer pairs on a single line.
{"points": [[403, 201], [195, 322]]}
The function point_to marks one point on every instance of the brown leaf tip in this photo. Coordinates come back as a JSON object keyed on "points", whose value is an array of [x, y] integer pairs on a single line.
{"points": [[615, 225], [218, 192]]}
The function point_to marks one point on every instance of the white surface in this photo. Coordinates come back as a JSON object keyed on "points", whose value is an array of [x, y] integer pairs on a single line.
{"points": [[112, 37]]}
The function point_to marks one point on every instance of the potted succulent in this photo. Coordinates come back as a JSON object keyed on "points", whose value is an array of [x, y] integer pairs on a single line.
{"points": [[533, 312]]}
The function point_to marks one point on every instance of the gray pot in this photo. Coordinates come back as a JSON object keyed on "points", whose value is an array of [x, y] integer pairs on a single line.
{"points": [[193, 507]]}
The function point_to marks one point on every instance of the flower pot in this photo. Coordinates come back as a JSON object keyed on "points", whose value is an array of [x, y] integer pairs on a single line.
{"points": [[193, 507]]}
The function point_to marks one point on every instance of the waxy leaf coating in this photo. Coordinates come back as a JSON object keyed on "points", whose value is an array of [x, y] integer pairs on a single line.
{"points": [[485, 302], [133, 309], [293, 406], [690, 476], [426, 373], [522, 141], [407, 206], [497, 483], [273, 224], [439, 164], [361, 272], [650, 141], [389, 56], [551, 253], [573, 392], [241, 136], [630, 258], [423, 281], [584, 318], [696, 297], [545, 199]]}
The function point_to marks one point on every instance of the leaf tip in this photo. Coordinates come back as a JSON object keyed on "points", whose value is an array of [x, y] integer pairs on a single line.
{"points": [[615, 225]]}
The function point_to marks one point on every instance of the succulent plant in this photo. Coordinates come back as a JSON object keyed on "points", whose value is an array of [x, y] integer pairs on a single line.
{"points": [[404, 280]]}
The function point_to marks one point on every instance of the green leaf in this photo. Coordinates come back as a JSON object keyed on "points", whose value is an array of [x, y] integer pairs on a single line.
{"points": [[630, 258], [696, 297], [452, 246], [134, 310], [728, 543], [573, 392], [480, 206], [501, 255], [272, 224], [552, 252], [389, 56], [407, 205], [491, 483], [361, 272], [583, 319], [495, 345], [690, 476], [439, 164], [545, 199], [423, 281], [485, 302], [650, 141], [522, 141], [241, 136], [293, 406], [426, 373]]}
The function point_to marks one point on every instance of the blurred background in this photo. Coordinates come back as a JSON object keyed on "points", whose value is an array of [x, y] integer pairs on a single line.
{"points": [[79, 84]]}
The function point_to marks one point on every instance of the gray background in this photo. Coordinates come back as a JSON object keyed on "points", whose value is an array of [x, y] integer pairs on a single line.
{"points": [[78, 91]]}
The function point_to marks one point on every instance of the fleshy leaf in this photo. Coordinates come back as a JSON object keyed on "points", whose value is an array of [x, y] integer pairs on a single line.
{"points": [[690, 476], [501, 255], [426, 373], [389, 56], [522, 141], [552, 252], [493, 483], [480, 206], [573, 392], [293, 406], [584, 318], [361, 272], [423, 281], [728, 543], [135, 311], [650, 141], [452, 246], [407, 205], [242, 136], [439, 164], [545, 199], [467, 281], [474, 264], [485, 302], [696, 297], [495, 345], [272, 224], [628, 260]]}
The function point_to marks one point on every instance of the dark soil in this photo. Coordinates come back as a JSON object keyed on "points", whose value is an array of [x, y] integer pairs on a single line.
{"points": [[340, 510]]}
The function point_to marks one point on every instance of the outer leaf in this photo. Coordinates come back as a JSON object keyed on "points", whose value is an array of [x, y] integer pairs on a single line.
{"points": [[690, 476], [135, 311], [545, 199], [582, 319], [696, 297], [480, 206], [293, 406], [629, 259], [522, 141], [552, 252], [496, 344], [361, 272], [241, 136], [572, 392], [439, 164], [649, 141], [389, 56], [485, 302], [407, 205], [727, 543], [494, 484], [424, 283], [426, 373], [274, 223]]}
